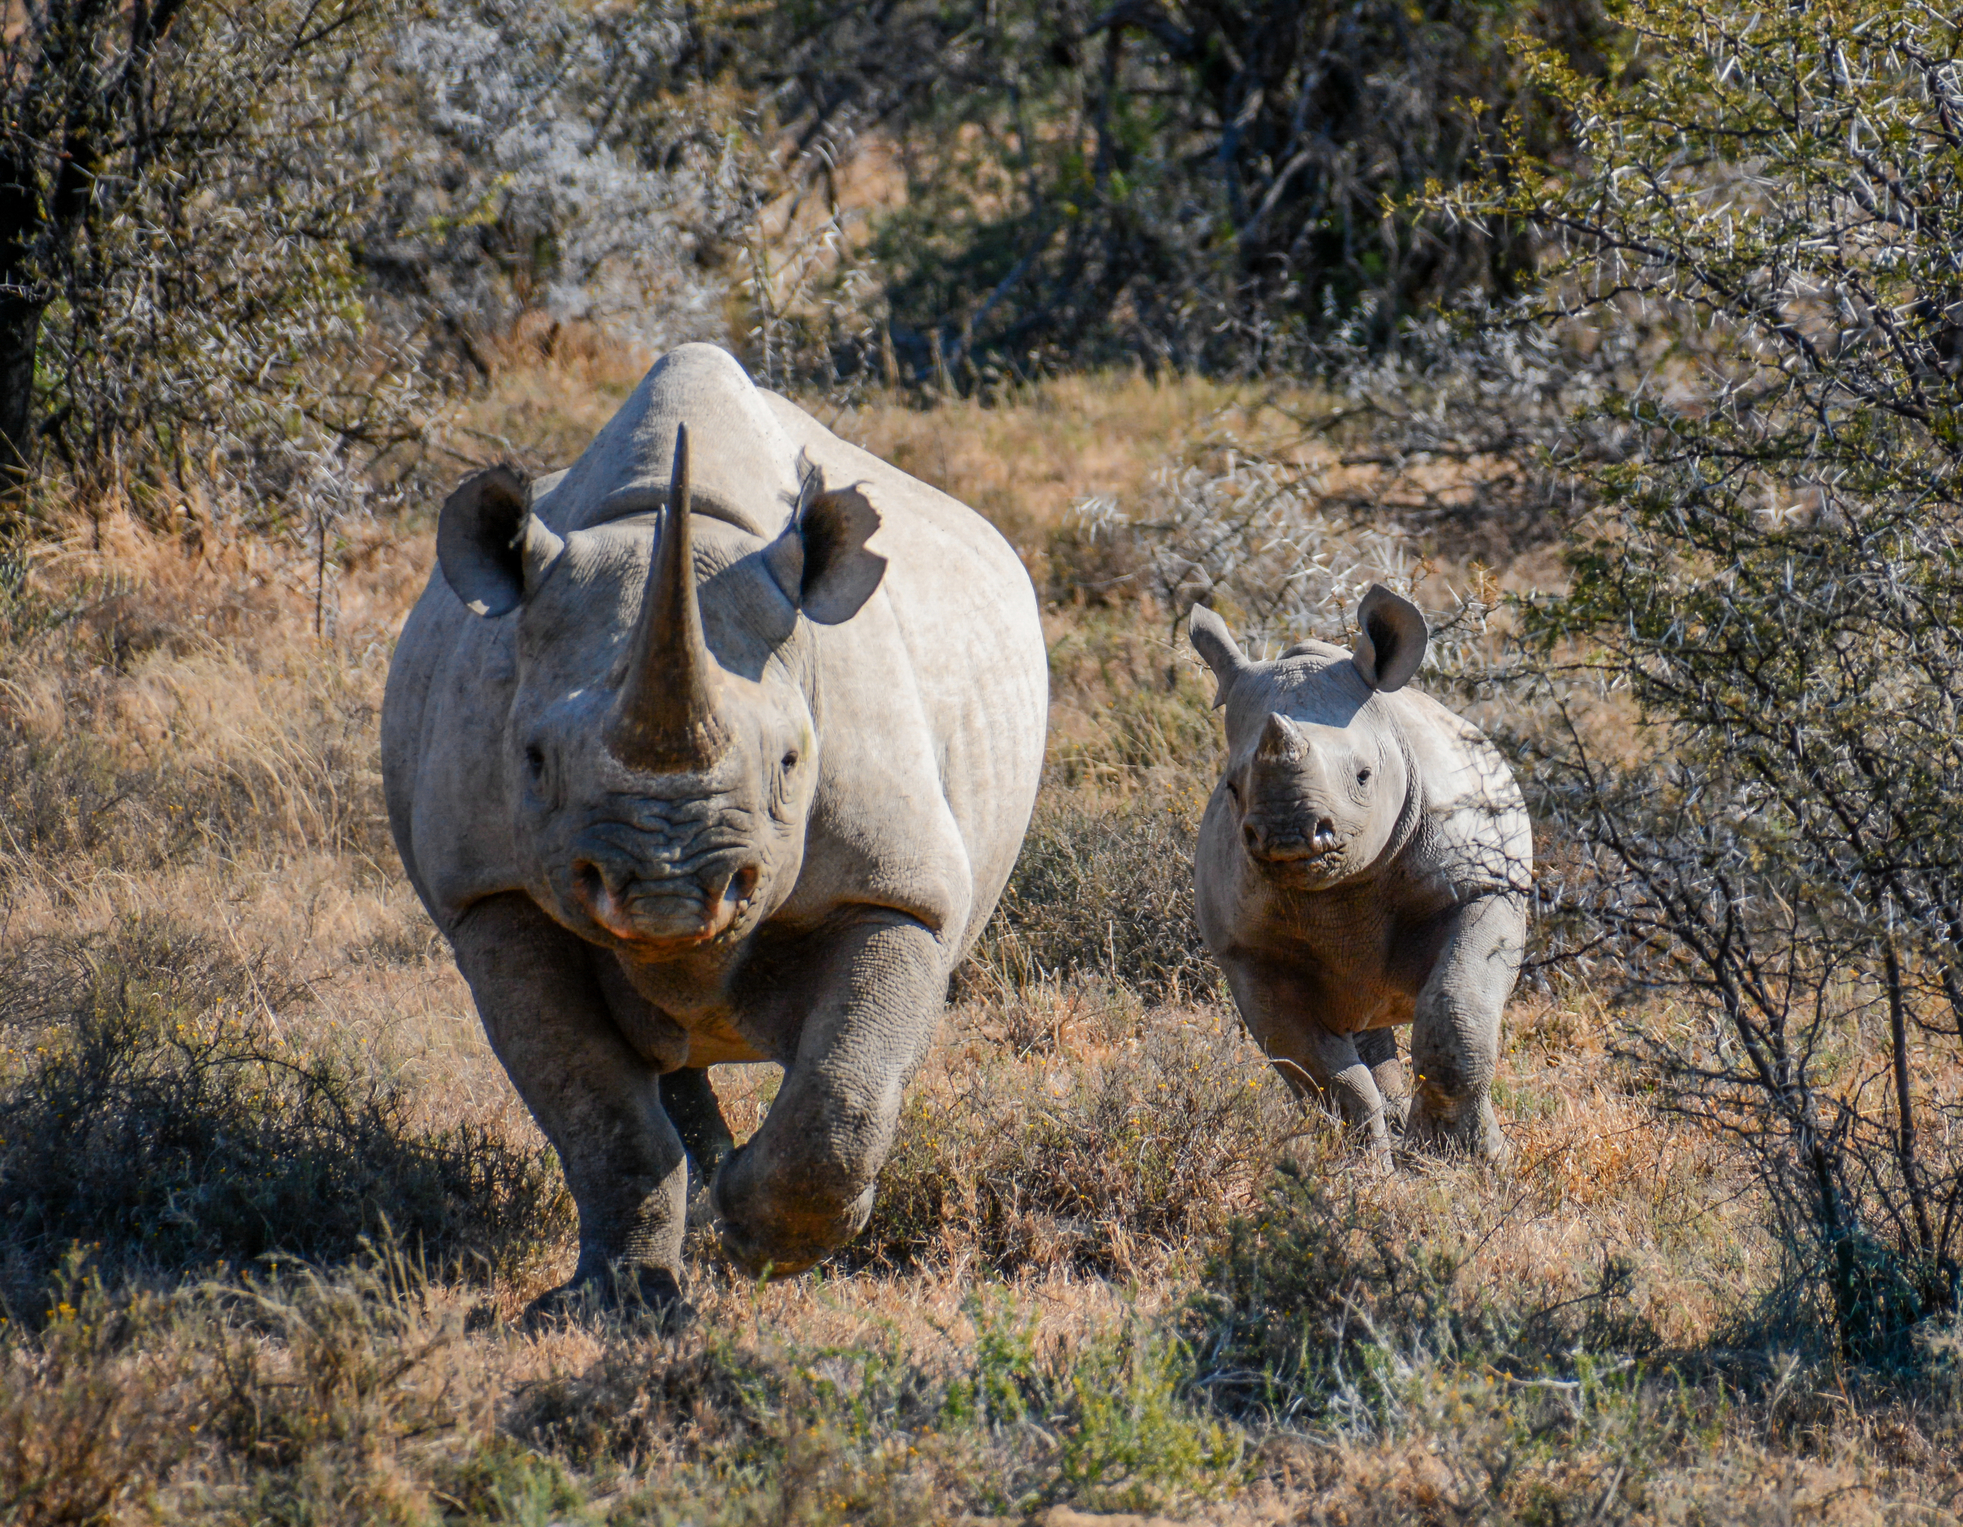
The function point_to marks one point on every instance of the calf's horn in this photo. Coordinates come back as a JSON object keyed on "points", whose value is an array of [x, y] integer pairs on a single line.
{"points": [[1281, 739], [664, 717]]}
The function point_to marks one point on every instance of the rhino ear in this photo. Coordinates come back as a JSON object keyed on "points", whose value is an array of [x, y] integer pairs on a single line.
{"points": [[1213, 641], [821, 561], [1391, 639], [491, 547]]}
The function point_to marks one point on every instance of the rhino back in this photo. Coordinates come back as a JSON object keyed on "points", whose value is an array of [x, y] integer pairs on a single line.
{"points": [[744, 468]]}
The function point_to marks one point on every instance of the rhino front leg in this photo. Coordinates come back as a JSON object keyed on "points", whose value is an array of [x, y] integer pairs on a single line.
{"points": [[1279, 1007], [595, 1096], [1455, 1034], [869, 991]]}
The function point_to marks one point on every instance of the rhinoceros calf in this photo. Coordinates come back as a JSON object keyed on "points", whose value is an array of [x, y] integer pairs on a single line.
{"points": [[1364, 863], [718, 746]]}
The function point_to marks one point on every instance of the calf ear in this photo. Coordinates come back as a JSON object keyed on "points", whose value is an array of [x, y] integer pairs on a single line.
{"points": [[1213, 641], [821, 561], [491, 547], [1391, 639]]}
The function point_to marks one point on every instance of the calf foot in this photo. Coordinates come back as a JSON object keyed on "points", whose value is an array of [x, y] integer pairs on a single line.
{"points": [[1443, 1126]]}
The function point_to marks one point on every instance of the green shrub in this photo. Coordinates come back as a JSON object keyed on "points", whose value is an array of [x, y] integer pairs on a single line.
{"points": [[1179, 185], [1140, 1442], [1769, 582]]}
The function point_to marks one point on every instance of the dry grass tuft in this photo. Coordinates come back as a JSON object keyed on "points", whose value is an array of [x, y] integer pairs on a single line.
{"points": [[1075, 1134]]}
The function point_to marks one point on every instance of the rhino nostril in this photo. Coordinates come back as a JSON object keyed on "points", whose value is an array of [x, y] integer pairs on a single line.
{"points": [[732, 889], [589, 885], [1325, 833]]}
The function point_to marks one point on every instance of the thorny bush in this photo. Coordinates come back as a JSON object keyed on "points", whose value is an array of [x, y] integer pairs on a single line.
{"points": [[1772, 580]]}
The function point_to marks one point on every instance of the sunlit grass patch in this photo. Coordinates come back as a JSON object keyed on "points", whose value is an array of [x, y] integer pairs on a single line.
{"points": [[1114, 1138]]}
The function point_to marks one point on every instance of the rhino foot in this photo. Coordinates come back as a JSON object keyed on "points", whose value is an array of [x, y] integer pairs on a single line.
{"points": [[765, 1236], [1461, 1131], [649, 1295]]}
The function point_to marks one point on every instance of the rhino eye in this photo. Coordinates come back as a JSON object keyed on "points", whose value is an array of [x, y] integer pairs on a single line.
{"points": [[790, 760], [535, 760], [1233, 792], [1363, 775]]}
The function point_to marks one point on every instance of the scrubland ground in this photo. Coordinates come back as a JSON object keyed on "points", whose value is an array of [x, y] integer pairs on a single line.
{"points": [[268, 1205]]}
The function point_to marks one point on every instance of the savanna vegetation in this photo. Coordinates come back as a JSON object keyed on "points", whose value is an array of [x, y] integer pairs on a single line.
{"points": [[1627, 341]]}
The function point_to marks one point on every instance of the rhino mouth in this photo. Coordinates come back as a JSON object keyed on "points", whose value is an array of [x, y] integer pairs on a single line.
{"points": [[1294, 846], [663, 914]]}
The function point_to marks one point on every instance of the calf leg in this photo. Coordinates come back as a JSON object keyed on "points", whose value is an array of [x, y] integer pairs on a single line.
{"points": [[1455, 1034], [1315, 1061], [595, 1096], [1377, 1049]]}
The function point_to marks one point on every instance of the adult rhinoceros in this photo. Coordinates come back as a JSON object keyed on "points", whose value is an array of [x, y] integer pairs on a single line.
{"points": [[718, 746], [1363, 863]]}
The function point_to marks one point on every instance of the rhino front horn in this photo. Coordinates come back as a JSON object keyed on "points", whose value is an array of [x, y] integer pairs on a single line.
{"points": [[664, 719]]}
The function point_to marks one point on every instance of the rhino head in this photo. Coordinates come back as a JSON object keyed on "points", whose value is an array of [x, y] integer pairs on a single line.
{"points": [[661, 739], [1316, 784]]}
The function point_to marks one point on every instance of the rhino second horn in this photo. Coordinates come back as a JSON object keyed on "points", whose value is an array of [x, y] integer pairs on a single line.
{"points": [[664, 720]]}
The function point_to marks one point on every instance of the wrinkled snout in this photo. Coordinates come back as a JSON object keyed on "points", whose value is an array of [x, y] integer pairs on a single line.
{"points": [[1290, 840], [662, 907]]}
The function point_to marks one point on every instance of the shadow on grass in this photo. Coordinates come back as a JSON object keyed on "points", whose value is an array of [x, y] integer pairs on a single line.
{"points": [[154, 1110]]}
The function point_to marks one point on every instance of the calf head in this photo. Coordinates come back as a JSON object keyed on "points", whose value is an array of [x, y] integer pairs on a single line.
{"points": [[1316, 782], [660, 738]]}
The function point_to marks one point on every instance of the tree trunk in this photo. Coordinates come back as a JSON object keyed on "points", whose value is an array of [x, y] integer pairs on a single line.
{"points": [[20, 334]]}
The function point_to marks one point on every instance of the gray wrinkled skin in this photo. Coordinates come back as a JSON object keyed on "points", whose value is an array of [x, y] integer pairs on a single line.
{"points": [[789, 876], [1364, 863]]}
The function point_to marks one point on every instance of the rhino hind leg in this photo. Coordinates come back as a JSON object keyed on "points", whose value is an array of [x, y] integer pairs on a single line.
{"points": [[1455, 1034], [690, 1103], [596, 1098], [1377, 1049]]}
